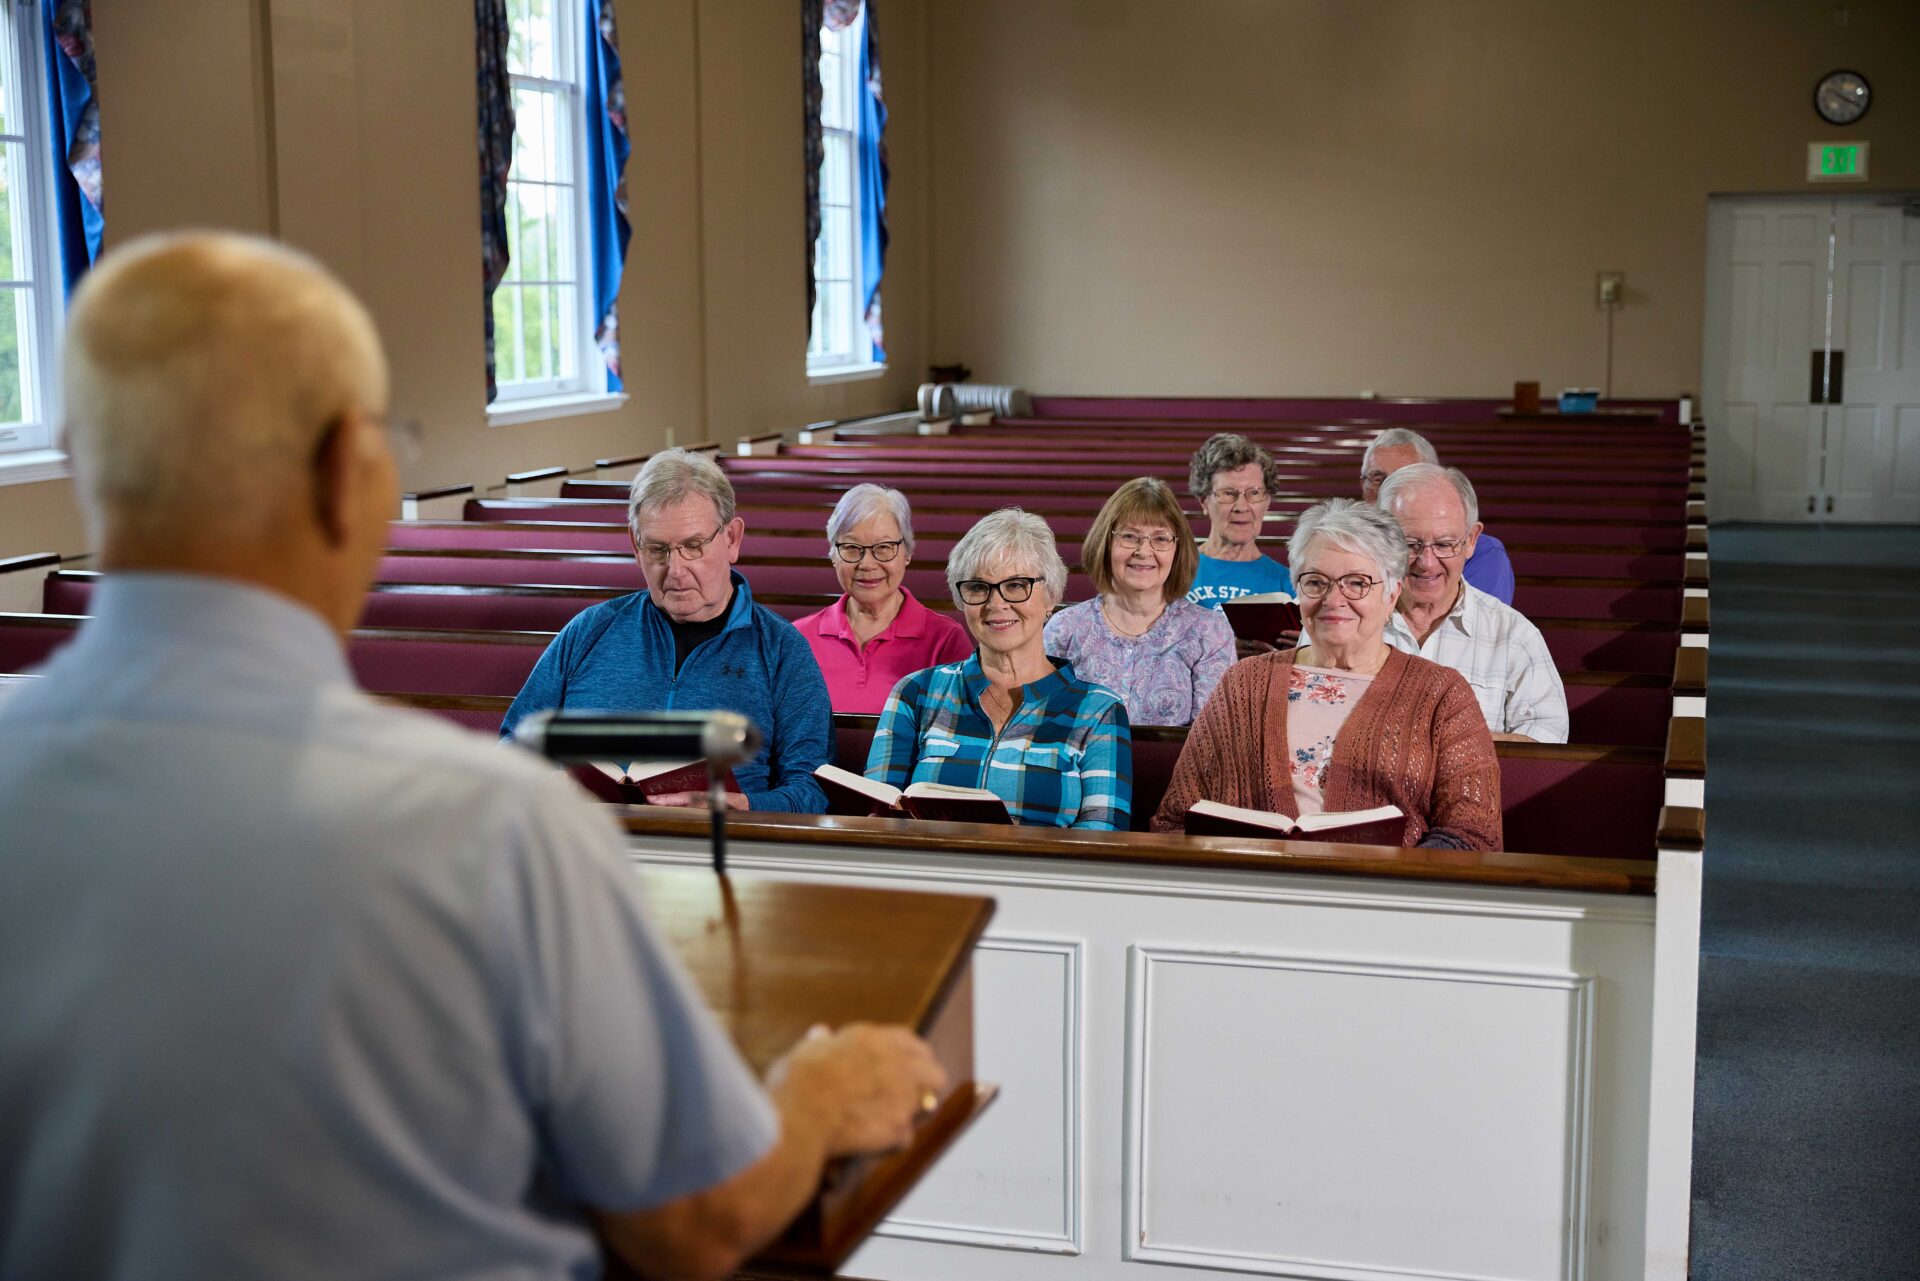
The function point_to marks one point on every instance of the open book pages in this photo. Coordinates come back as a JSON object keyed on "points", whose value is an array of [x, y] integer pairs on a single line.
{"points": [[658, 778], [884, 794], [1220, 814], [948, 792]]}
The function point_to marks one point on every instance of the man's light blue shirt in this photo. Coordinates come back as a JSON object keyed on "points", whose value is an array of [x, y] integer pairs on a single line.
{"points": [[297, 985]]}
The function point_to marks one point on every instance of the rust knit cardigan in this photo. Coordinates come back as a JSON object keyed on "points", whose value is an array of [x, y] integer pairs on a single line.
{"points": [[1416, 739]]}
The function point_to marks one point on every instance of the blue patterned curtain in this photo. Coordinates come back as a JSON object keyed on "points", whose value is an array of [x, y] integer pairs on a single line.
{"points": [[496, 156], [873, 182], [607, 150], [812, 14], [73, 119]]}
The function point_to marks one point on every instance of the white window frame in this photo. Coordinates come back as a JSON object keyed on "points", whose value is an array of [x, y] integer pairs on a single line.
{"points": [[29, 450], [583, 388], [848, 354]]}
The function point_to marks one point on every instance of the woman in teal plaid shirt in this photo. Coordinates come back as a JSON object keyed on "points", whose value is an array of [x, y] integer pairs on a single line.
{"points": [[1055, 748]]}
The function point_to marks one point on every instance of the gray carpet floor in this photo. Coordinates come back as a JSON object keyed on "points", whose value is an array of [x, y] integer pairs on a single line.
{"points": [[1807, 1117]]}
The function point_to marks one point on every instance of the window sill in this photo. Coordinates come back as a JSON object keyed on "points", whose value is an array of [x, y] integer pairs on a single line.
{"points": [[829, 374], [537, 408], [31, 465]]}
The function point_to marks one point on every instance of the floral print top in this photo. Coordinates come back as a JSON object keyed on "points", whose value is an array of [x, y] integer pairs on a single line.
{"points": [[1319, 700], [1164, 675]]}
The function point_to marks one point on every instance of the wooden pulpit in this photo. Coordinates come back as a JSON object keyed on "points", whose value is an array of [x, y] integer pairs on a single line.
{"points": [[773, 958]]}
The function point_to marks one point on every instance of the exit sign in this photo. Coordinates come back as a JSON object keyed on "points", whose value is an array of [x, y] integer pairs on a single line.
{"points": [[1836, 162]]}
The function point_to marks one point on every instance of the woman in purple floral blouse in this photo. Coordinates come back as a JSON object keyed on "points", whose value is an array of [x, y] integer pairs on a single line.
{"points": [[1141, 637]]}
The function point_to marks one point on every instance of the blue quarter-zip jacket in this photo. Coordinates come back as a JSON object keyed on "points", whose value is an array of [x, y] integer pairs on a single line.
{"points": [[619, 657]]}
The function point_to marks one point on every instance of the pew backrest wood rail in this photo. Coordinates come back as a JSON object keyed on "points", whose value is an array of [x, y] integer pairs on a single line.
{"points": [[1576, 559]]}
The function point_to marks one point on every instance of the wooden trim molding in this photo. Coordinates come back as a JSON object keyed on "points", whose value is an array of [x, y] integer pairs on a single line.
{"points": [[1687, 747], [427, 495], [538, 474], [1690, 670], [1682, 827], [1534, 871], [32, 560]]}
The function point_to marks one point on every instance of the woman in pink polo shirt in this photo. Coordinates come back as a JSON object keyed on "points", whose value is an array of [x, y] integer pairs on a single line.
{"points": [[877, 632]]}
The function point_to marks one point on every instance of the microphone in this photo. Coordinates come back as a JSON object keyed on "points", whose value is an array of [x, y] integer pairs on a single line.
{"points": [[574, 738]]}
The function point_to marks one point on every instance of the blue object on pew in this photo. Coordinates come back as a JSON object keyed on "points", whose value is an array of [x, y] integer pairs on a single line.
{"points": [[1579, 400]]}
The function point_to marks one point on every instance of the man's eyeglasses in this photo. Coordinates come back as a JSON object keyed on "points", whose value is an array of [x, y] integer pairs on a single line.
{"points": [[1232, 496], [691, 549], [1133, 542], [1352, 586], [977, 591], [1444, 548], [882, 552], [1373, 479]]}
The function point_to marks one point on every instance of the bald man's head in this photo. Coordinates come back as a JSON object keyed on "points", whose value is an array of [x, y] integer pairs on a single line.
{"points": [[201, 373]]}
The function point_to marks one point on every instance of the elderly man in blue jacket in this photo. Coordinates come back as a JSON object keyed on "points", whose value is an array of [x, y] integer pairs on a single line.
{"points": [[694, 640]]}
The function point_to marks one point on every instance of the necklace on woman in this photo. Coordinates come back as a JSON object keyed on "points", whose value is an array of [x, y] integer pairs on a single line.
{"points": [[1106, 612]]}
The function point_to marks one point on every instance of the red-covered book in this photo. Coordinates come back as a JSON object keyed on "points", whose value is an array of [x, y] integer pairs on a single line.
{"points": [[633, 784], [1382, 825], [851, 793], [1273, 617]]}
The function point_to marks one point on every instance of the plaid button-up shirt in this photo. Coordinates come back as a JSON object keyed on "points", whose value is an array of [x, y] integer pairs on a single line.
{"points": [[1063, 759], [1503, 656]]}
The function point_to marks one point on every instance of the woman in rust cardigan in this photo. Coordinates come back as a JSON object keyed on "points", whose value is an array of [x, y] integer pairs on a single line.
{"points": [[1346, 722]]}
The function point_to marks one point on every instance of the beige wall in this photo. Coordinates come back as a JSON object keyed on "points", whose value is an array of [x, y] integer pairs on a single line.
{"points": [[347, 128], [1236, 196]]}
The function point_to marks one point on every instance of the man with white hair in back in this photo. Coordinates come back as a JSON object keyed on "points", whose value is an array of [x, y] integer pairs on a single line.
{"points": [[1487, 567], [1443, 617]]}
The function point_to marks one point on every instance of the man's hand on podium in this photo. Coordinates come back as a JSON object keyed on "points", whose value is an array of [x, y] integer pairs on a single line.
{"points": [[865, 1084], [840, 1093]]}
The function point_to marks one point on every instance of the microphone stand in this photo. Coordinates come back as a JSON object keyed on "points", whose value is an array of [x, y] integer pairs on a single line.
{"points": [[717, 807]]}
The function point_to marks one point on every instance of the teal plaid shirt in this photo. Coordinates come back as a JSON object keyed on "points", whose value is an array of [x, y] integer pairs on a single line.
{"points": [[1063, 759]]}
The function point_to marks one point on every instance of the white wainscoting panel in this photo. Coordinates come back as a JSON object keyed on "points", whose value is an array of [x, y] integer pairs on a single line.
{"points": [[1448, 1118], [1013, 1180]]}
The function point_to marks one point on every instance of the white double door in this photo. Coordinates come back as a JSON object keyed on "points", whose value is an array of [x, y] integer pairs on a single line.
{"points": [[1788, 281]]}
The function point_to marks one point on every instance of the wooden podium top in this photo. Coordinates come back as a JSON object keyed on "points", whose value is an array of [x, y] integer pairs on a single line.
{"points": [[775, 957]]}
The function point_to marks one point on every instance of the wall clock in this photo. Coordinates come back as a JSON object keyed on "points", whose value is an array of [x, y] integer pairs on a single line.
{"points": [[1842, 97]]}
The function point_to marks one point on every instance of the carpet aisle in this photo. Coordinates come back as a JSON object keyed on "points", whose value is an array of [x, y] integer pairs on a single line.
{"points": [[1807, 1117]]}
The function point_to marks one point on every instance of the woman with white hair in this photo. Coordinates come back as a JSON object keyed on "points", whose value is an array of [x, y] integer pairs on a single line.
{"points": [[877, 632], [1345, 722], [1057, 749]]}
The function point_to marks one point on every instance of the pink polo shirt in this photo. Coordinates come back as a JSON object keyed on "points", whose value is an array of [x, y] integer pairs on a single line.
{"points": [[859, 680]]}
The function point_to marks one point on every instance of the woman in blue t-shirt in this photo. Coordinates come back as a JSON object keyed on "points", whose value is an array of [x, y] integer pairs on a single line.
{"points": [[1234, 480]]}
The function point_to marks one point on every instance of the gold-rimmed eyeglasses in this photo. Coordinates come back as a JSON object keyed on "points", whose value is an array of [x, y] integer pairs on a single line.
{"points": [[690, 549], [1352, 586]]}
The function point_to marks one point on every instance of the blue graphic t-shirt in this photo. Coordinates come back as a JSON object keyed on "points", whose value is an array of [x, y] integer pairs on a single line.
{"points": [[1218, 580]]}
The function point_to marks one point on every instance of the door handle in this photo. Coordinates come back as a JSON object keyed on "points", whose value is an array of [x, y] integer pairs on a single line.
{"points": [[1824, 386]]}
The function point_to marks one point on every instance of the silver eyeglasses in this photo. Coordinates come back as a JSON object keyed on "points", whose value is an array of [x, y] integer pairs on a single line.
{"points": [[691, 549], [1258, 494], [1133, 542], [1444, 548]]}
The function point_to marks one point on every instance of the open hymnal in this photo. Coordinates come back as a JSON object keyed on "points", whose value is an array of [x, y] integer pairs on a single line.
{"points": [[633, 784], [1382, 825], [851, 793], [1273, 617]]}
